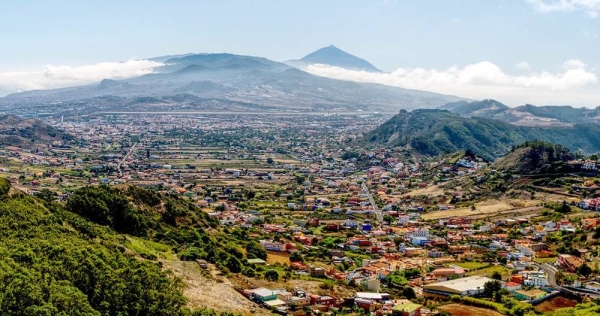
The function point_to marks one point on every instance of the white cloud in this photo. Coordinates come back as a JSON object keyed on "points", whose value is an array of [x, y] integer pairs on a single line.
{"points": [[64, 76], [574, 64], [485, 80], [523, 65], [591, 7]]}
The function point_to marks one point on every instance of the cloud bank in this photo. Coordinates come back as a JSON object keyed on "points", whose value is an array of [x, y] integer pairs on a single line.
{"points": [[591, 7], [570, 85], [65, 76]]}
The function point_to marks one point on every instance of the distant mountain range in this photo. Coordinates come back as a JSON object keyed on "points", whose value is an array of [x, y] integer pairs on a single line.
{"points": [[525, 115], [434, 132], [334, 56], [227, 82]]}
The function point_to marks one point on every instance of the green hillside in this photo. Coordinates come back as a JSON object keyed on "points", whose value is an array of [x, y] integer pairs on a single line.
{"points": [[77, 260], [435, 132], [535, 157]]}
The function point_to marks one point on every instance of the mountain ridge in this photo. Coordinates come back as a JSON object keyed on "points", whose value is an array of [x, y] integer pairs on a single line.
{"points": [[525, 115], [237, 83], [433, 132]]}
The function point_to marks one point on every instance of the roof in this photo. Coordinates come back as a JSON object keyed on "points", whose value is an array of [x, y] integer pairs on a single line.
{"points": [[407, 307], [459, 286], [255, 261], [369, 295], [262, 292], [275, 302]]}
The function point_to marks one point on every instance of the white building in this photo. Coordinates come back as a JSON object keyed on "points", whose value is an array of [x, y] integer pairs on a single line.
{"points": [[418, 232], [403, 220], [272, 245], [537, 278]]}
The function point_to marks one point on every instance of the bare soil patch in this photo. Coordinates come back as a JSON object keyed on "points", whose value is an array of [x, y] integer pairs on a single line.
{"points": [[554, 304], [466, 310], [209, 289]]}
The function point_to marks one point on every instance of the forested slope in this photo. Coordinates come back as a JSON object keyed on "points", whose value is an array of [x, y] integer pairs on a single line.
{"points": [[58, 259]]}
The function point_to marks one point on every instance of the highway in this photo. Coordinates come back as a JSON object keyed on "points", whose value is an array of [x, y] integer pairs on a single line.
{"points": [[376, 209], [125, 158]]}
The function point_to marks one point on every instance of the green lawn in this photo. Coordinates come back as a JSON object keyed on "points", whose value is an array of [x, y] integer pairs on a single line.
{"points": [[471, 265], [490, 270], [319, 230], [545, 260], [146, 247]]}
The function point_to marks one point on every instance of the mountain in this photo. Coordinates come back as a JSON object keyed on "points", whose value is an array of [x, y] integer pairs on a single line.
{"points": [[526, 115], [433, 132], [162, 59], [535, 157], [222, 82], [484, 108], [334, 56], [29, 133]]}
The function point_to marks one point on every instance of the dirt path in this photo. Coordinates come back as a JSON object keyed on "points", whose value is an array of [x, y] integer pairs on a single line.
{"points": [[209, 289]]}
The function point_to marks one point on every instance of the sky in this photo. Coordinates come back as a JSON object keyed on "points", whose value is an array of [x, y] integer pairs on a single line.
{"points": [[516, 51]]}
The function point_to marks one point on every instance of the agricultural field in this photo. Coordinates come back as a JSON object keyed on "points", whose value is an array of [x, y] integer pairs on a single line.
{"points": [[277, 257], [471, 265], [554, 304], [466, 310], [489, 271]]}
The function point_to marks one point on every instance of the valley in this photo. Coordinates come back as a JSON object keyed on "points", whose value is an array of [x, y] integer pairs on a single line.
{"points": [[293, 204]]}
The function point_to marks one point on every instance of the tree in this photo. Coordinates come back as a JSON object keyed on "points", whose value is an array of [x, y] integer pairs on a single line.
{"points": [[255, 250], [584, 270], [409, 293], [597, 233], [388, 219], [4, 186], [46, 195], [270, 160], [496, 275], [491, 287], [271, 275], [296, 257]]}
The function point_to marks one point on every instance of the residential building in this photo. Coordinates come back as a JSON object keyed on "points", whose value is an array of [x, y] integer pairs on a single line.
{"points": [[529, 295], [568, 262]]}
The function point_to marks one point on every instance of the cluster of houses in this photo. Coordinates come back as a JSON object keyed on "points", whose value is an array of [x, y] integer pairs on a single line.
{"points": [[285, 301]]}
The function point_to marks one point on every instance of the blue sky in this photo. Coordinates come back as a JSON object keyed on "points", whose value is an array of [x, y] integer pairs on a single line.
{"points": [[521, 37]]}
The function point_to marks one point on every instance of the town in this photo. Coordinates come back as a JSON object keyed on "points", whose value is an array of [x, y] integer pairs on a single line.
{"points": [[344, 228]]}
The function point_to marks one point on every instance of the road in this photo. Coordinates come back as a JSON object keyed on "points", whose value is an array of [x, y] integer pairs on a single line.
{"points": [[125, 158], [376, 209], [551, 272]]}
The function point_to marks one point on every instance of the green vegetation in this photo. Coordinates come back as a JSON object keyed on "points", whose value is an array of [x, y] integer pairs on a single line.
{"points": [[48, 268], [75, 259], [481, 303], [579, 310], [471, 265], [489, 271], [436, 132], [400, 278]]}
